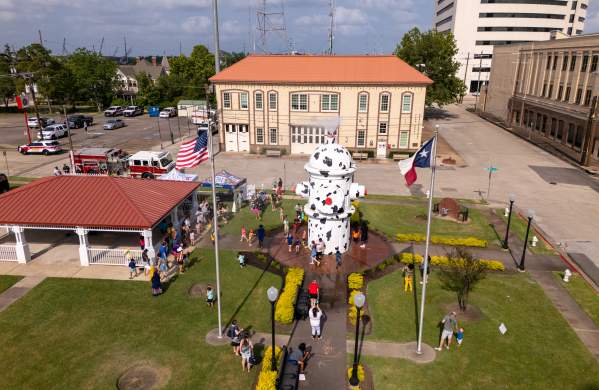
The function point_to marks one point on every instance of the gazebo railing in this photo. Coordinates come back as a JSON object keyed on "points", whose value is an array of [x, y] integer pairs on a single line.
{"points": [[8, 253], [106, 256]]}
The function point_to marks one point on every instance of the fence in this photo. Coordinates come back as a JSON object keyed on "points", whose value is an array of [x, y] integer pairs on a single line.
{"points": [[105, 256], [8, 253]]}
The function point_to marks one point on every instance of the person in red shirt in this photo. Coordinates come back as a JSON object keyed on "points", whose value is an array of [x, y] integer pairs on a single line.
{"points": [[314, 293]]}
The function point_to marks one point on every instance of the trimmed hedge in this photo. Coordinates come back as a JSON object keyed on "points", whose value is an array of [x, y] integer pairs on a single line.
{"points": [[361, 374], [355, 281], [452, 241], [267, 380], [492, 265], [285, 308]]}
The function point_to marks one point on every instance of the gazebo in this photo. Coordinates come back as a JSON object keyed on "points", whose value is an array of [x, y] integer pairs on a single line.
{"points": [[94, 203]]}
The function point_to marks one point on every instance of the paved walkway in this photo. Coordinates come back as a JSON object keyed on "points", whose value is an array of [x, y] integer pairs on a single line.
{"points": [[395, 350], [18, 290]]}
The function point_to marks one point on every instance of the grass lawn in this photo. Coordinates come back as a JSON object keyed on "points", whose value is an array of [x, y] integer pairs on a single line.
{"points": [[17, 181], [79, 333], [393, 219], [583, 294], [538, 351], [518, 226], [8, 280], [270, 219]]}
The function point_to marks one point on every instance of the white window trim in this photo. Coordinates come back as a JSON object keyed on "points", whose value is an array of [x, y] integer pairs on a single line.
{"points": [[276, 101], [247, 100], [388, 102], [407, 143], [363, 144], [225, 106], [365, 95], [257, 133], [299, 97], [386, 128], [403, 103], [256, 94], [329, 97], [270, 132]]}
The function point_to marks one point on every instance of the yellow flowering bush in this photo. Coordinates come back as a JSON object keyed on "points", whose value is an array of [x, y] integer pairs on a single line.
{"points": [[285, 309], [355, 281], [352, 294], [267, 380], [361, 374], [453, 241], [492, 265]]}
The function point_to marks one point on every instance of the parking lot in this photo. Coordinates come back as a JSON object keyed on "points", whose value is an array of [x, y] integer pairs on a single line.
{"points": [[140, 133]]}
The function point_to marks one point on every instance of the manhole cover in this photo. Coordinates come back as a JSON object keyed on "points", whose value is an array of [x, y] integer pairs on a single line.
{"points": [[139, 378]]}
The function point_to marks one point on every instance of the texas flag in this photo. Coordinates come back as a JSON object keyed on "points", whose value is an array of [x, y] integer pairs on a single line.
{"points": [[421, 159]]}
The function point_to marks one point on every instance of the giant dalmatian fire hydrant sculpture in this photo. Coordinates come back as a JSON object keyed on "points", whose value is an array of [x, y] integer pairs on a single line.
{"points": [[330, 191]]}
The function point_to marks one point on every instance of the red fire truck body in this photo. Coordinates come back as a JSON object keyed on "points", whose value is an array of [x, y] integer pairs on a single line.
{"points": [[108, 161]]}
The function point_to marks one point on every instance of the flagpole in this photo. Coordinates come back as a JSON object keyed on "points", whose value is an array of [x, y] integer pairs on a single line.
{"points": [[215, 226], [428, 239]]}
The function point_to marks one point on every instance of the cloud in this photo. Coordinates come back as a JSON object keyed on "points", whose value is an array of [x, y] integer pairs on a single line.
{"points": [[196, 24], [592, 23], [312, 20], [7, 16]]}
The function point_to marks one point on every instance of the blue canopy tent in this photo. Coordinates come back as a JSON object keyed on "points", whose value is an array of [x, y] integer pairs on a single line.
{"points": [[225, 180]]}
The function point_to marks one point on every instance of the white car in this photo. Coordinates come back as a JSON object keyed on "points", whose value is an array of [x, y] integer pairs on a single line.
{"points": [[53, 132], [113, 111], [32, 121], [168, 112]]}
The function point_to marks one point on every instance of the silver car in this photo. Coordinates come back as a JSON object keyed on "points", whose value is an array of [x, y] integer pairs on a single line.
{"points": [[112, 124]]}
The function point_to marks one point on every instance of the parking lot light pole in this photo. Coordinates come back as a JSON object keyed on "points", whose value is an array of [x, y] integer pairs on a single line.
{"points": [[509, 219], [272, 294], [359, 300], [66, 121], [531, 214]]}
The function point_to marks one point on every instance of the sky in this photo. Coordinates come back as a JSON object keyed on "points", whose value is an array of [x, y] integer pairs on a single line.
{"points": [[166, 26]]}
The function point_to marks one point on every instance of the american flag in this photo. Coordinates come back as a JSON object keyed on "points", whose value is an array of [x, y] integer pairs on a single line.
{"points": [[193, 152]]}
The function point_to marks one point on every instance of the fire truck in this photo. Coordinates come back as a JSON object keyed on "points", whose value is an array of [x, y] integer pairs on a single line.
{"points": [[107, 161]]}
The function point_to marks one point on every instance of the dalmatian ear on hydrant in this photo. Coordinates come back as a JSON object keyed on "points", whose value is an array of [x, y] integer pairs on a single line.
{"points": [[329, 191]]}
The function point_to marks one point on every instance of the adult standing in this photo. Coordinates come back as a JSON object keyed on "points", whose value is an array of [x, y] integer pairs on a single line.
{"points": [[246, 349], [315, 317], [85, 126], [450, 324], [286, 225], [314, 293], [320, 247], [364, 234], [261, 235], [421, 269], [156, 285]]}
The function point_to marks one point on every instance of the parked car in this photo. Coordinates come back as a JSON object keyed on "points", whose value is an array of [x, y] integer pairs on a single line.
{"points": [[78, 121], [113, 111], [32, 121], [112, 124], [54, 132], [4, 184], [40, 147], [168, 112], [205, 126], [133, 111]]}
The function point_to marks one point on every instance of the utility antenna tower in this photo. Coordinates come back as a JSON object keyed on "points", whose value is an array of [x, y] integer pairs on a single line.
{"points": [[331, 26], [270, 22], [64, 46], [101, 46]]}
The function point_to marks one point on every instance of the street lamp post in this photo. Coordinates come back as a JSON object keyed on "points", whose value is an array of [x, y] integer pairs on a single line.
{"points": [[359, 300], [272, 294], [531, 215], [509, 220]]}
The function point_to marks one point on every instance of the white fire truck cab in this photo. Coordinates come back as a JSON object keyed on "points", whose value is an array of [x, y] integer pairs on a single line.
{"points": [[150, 164]]}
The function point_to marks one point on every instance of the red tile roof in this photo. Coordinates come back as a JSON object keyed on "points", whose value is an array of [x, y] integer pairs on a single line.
{"points": [[93, 201], [320, 69]]}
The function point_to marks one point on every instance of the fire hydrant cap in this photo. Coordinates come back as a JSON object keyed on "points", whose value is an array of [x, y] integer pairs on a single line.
{"points": [[332, 158]]}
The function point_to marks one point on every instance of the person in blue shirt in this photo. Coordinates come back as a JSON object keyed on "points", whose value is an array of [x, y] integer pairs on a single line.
{"points": [[132, 266], [261, 235], [210, 296], [163, 251], [289, 241], [297, 243], [338, 257]]}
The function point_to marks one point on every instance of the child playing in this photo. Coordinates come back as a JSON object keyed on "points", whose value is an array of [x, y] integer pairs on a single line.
{"points": [[251, 236], [289, 241], [459, 336], [305, 238], [132, 267], [210, 296], [281, 214], [243, 234], [241, 259], [286, 225], [297, 243]]}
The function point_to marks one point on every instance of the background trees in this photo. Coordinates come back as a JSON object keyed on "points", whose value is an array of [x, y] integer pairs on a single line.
{"points": [[8, 87], [94, 77], [436, 51]]}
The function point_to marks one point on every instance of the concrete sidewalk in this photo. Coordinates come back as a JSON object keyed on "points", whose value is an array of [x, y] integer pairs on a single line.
{"points": [[19, 289]]}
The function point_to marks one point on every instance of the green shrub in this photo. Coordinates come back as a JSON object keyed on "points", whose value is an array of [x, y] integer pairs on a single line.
{"points": [[285, 309], [441, 240], [355, 281], [492, 265]]}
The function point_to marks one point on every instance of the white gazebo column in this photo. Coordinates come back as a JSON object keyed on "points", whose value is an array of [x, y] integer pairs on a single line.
{"points": [[148, 243], [21, 246], [194, 206], [175, 217], [83, 246]]}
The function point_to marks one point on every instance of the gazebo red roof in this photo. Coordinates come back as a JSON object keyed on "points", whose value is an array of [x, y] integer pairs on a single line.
{"points": [[93, 202]]}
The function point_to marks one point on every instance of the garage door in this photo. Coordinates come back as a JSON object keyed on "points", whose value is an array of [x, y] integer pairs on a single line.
{"points": [[305, 138], [237, 138]]}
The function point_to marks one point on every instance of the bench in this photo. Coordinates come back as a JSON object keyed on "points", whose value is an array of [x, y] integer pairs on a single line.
{"points": [[273, 153], [288, 374], [360, 156], [400, 156]]}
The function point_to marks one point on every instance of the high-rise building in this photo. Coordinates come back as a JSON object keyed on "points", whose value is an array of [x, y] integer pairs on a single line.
{"points": [[478, 25]]}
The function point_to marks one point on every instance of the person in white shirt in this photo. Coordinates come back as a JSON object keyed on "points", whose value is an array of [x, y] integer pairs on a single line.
{"points": [[315, 317]]}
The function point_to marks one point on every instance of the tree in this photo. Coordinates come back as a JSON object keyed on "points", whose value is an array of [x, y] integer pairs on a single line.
{"points": [[46, 71], [437, 52], [461, 274], [228, 59], [94, 76], [8, 88], [194, 71]]}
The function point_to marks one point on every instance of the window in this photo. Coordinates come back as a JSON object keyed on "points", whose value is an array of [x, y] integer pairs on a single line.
{"points": [[272, 132], [573, 63], [442, 10], [550, 93], [329, 102], [484, 69], [548, 62], [227, 100], [363, 102], [135, 162], [243, 100], [585, 63], [259, 135], [553, 127], [571, 130], [594, 63], [519, 15], [403, 139], [544, 126], [384, 103], [554, 62], [578, 139], [383, 128], [299, 102], [361, 138], [567, 96], [442, 22], [574, 4], [258, 101], [565, 63], [569, 31], [587, 97], [578, 96], [547, 2], [560, 130], [571, 18], [544, 90], [483, 55], [560, 92], [272, 101], [406, 104], [517, 29]]}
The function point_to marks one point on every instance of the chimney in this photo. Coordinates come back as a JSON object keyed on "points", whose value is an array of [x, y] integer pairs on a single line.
{"points": [[154, 60]]}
